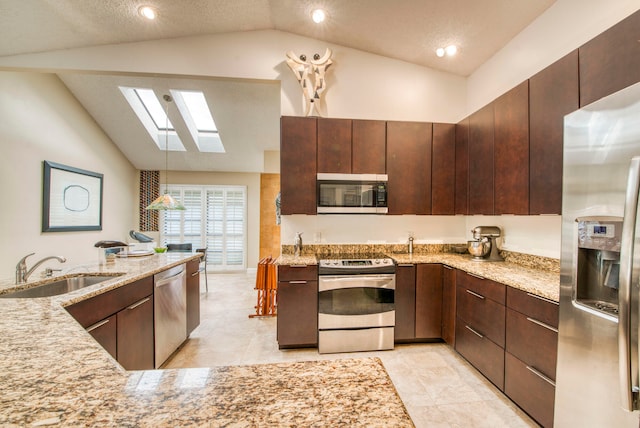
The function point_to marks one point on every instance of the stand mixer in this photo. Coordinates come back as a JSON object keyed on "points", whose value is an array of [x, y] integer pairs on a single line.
{"points": [[488, 249]]}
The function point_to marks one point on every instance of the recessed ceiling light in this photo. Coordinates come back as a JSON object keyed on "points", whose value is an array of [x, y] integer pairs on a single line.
{"points": [[440, 52], [318, 15], [451, 50], [147, 12]]}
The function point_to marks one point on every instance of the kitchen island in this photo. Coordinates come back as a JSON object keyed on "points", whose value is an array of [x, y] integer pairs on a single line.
{"points": [[53, 373]]}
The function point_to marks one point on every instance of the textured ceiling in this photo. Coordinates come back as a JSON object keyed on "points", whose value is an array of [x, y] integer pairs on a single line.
{"points": [[409, 30], [247, 112]]}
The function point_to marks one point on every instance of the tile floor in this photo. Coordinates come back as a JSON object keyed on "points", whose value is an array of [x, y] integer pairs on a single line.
{"points": [[439, 388]]}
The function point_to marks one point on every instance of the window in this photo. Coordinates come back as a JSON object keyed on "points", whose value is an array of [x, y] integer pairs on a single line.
{"points": [[194, 109], [215, 217]]}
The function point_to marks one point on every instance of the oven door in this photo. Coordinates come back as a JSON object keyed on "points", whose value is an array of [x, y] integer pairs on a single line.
{"points": [[356, 301]]}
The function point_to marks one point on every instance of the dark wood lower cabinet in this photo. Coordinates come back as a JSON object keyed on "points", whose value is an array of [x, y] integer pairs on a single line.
{"points": [[481, 352], [297, 323], [428, 301], [449, 305], [530, 390], [486, 316], [105, 332], [135, 335], [405, 302], [193, 295]]}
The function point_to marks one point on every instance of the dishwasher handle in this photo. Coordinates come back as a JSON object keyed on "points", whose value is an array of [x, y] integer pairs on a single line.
{"points": [[168, 276]]}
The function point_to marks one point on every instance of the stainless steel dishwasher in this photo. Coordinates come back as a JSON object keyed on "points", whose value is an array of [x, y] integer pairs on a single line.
{"points": [[170, 307]]}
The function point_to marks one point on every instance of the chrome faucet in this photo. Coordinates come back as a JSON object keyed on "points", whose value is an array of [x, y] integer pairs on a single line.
{"points": [[22, 274]]}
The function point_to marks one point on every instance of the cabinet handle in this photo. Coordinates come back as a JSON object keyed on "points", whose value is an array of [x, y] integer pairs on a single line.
{"points": [[447, 267], [195, 273], [542, 324], [544, 299], [479, 296], [98, 324], [541, 376], [475, 276], [298, 266], [474, 332], [297, 282], [135, 305], [405, 264]]}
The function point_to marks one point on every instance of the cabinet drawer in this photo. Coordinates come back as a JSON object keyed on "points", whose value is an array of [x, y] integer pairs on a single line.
{"points": [[532, 342], [485, 287], [297, 273], [483, 315], [481, 352], [90, 311], [529, 390], [537, 307]]}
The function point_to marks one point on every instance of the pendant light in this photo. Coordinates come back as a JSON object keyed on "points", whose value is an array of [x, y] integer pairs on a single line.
{"points": [[166, 201]]}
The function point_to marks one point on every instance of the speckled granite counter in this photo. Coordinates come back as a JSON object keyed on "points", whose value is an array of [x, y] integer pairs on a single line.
{"points": [[537, 275], [53, 373]]}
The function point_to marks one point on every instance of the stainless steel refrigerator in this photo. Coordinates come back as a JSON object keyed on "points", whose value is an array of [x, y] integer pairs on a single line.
{"points": [[597, 372]]}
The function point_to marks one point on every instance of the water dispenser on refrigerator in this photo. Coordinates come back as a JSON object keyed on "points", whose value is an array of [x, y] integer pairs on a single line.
{"points": [[598, 265]]}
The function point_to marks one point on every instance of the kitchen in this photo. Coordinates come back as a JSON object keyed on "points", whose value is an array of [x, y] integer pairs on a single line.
{"points": [[446, 98]]}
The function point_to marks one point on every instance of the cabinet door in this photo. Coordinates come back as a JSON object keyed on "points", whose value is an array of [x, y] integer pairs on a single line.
{"points": [[334, 146], [106, 334], [483, 315], [481, 352], [443, 171], [368, 147], [481, 161], [511, 151], [193, 295], [135, 335], [297, 321], [462, 167], [449, 305], [409, 167], [298, 165], [610, 61], [429, 301], [553, 93], [405, 301], [530, 390]]}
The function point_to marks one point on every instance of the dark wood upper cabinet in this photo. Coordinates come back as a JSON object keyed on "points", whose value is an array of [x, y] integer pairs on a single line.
{"points": [[553, 93], [481, 161], [443, 169], [334, 146], [610, 61], [409, 167], [462, 167], [368, 147], [298, 159], [511, 151]]}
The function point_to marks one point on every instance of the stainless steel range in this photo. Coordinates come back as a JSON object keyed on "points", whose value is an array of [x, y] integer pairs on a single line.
{"points": [[356, 309]]}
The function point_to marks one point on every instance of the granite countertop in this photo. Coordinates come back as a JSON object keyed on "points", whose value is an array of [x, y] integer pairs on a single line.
{"points": [[541, 282], [53, 373]]}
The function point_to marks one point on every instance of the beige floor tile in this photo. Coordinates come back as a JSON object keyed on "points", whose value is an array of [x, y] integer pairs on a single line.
{"points": [[439, 388]]}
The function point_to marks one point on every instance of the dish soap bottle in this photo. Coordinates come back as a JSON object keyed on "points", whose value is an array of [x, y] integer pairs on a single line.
{"points": [[297, 244]]}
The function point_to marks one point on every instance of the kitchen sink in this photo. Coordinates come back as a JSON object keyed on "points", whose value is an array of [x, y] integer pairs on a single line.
{"points": [[60, 286]]}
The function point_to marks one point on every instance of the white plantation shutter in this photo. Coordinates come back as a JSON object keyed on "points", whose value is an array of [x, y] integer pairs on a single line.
{"points": [[215, 217]]}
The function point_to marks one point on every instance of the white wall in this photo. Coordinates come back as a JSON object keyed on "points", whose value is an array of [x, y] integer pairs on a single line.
{"points": [[360, 84], [40, 120], [565, 26]]}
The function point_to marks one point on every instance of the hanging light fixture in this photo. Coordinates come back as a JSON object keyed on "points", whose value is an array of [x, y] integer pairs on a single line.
{"points": [[166, 202]]}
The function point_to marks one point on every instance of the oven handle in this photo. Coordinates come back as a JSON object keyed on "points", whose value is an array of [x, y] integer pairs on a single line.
{"points": [[335, 282]]}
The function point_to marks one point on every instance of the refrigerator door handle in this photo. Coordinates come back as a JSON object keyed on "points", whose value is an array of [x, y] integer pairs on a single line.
{"points": [[627, 389]]}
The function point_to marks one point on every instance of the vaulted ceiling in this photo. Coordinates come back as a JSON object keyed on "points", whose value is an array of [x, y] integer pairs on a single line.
{"points": [[407, 30]]}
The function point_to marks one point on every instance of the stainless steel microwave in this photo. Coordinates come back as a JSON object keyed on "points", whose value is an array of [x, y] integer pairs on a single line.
{"points": [[352, 193]]}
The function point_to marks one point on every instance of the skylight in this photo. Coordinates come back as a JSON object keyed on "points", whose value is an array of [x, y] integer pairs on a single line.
{"points": [[195, 111], [153, 117]]}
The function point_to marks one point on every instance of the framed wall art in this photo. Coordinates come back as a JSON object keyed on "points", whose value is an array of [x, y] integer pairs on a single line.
{"points": [[71, 199]]}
